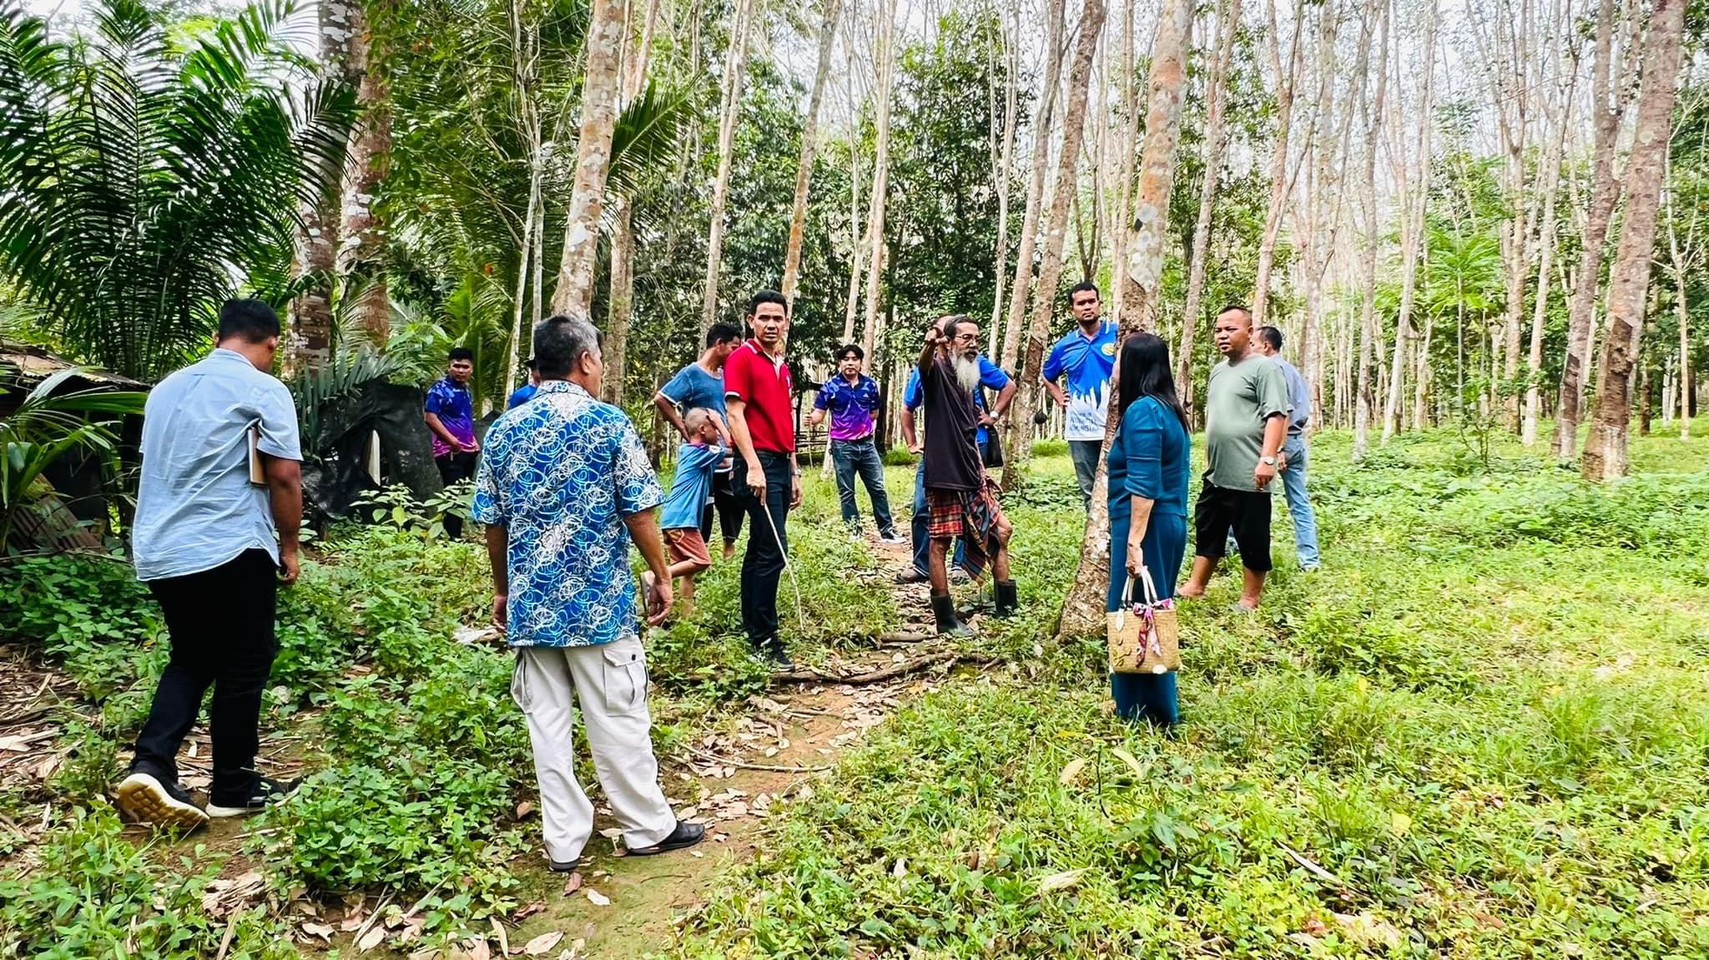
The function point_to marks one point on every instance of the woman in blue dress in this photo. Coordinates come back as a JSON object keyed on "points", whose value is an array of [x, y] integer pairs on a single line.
{"points": [[1148, 470]]}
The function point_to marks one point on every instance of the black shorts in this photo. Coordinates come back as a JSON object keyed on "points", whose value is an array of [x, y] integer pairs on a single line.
{"points": [[1245, 512]]}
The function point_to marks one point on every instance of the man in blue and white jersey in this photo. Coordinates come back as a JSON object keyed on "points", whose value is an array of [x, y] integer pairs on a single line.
{"points": [[1085, 356]]}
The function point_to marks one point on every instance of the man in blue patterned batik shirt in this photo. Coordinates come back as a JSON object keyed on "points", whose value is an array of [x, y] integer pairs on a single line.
{"points": [[1086, 356], [563, 486]]}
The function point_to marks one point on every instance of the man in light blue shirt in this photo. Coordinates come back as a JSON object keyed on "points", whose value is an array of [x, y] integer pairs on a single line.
{"points": [[701, 384], [562, 486], [221, 477], [1294, 451], [1086, 356]]}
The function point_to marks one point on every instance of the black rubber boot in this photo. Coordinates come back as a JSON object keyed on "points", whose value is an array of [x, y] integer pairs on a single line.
{"points": [[1008, 599], [943, 611]]}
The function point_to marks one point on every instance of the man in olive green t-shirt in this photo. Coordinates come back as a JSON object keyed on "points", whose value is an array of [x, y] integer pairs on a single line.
{"points": [[1246, 420]]}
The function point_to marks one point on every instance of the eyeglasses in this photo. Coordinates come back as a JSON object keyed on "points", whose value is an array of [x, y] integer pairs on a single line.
{"points": [[967, 338]]}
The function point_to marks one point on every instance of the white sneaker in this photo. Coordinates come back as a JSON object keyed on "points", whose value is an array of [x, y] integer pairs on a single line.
{"points": [[893, 540]]}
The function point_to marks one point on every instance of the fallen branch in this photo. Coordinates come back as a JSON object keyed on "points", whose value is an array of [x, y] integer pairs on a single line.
{"points": [[743, 765], [888, 673]]}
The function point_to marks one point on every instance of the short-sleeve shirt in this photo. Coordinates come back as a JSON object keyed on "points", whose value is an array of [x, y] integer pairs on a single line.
{"points": [[452, 403], [1299, 397], [695, 464], [852, 406], [196, 508], [1088, 363], [561, 472], [1150, 457], [522, 395], [694, 387], [991, 377], [952, 429], [763, 383], [1239, 400]]}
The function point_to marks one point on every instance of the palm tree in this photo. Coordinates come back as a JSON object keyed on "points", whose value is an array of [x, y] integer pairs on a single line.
{"points": [[144, 180]]}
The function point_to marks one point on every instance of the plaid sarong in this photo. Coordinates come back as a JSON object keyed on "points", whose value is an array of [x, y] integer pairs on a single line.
{"points": [[972, 515]]}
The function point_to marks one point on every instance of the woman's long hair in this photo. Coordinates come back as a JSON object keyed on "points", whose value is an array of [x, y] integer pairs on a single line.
{"points": [[1145, 372]]}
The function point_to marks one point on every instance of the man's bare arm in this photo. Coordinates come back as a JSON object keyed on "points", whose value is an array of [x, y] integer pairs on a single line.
{"points": [[1005, 397], [498, 554], [285, 498], [910, 435], [644, 530], [667, 409]]}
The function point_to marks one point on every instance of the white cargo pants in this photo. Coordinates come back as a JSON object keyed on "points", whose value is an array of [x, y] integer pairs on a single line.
{"points": [[610, 683]]}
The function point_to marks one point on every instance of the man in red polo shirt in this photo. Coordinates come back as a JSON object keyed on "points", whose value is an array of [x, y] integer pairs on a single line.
{"points": [[759, 397]]}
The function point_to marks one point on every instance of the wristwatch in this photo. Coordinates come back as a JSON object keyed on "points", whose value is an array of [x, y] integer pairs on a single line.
{"points": [[1267, 461]]}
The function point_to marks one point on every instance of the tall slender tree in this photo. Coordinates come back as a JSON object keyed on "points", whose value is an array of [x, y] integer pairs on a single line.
{"points": [[879, 196], [362, 253], [620, 306], [1043, 124], [809, 145], [1083, 607], [600, 92], [1605, 451], [1371, 109], [735, 67], [1056, 229], [1415, 195]]}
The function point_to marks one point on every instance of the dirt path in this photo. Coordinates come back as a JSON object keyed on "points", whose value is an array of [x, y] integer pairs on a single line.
{"points": [[732, 780]]}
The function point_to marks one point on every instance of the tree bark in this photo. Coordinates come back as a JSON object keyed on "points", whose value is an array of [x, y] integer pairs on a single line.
{"points": [[1412, 229], [1002, 173], [878, 198], [1215, 144], [1605, 453], [1545, 259], [312, 324], [735, 65], [809, 145], [1056, 230], [1372, 111], [361, 255], [1607, 107], [620, 305], [1286, 84], [606, 28], [1028, 244], [1083, 607]]}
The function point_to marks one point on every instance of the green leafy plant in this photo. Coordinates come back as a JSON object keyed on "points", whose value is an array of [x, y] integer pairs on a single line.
{"points": [[49, 426]]}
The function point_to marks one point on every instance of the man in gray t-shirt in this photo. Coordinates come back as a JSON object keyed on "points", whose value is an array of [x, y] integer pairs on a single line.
{"points": [[1246, 409]]}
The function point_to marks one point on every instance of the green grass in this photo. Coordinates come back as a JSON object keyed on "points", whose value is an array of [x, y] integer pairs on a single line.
{"points": [[1485, 724]]}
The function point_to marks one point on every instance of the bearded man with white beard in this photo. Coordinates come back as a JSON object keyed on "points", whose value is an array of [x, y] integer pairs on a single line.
{"points": [[960, 498]]}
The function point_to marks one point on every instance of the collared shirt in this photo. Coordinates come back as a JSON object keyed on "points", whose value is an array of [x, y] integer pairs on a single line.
{"points": [[1088, 362], [522, 395], [1299, 397], [991, 377], [1240, 399], [561, 472], [763, 383], [851, 404], [196, 508], [452, 403]]}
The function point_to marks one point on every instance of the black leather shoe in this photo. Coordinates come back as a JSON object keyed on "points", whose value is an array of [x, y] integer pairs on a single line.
{"points": [[685, 835]]}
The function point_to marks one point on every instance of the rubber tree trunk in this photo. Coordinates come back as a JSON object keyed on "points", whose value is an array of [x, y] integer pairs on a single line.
{"points": [[1215, 145], [735, 65], [1148, 236], [1545, 264], [620, 305], [1607, 108], [1002, 179], [1372, 110], [1055, 236], [809, 145], [1286, 85], [1028, 244], [606, 28], [878, 198], [1605, 451], [1416, 193]]}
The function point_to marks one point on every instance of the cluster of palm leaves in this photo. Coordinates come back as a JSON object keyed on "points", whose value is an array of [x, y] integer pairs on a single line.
{"points": [[51, 425], [147, 175]]}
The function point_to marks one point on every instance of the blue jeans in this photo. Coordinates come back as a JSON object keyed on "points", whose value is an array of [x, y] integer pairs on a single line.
{"points": [[1147, 696], [1084, 453], [918, 526], [1299, 504], [861, 456]]}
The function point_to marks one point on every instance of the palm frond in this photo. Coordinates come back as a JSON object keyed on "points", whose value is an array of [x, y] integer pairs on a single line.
{"points": [[648, 136]]}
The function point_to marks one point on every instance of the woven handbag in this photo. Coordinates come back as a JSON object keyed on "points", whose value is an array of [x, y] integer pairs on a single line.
{"points": [[1144, 636]]}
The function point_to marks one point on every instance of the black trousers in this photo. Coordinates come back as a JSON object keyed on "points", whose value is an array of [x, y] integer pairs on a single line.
{"points": [[762, 565], [727, 506], [455, 468], [220, 622]]}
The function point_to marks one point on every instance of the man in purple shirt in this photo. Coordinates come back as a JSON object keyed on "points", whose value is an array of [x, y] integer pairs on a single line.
{"points": [[450, 415], [851, 398]]}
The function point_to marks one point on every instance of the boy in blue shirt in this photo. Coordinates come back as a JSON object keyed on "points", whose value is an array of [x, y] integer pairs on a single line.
{"points": [[679, 520]]}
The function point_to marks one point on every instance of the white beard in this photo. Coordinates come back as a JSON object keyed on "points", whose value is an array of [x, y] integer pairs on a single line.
{"points": [[967, 374]]}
